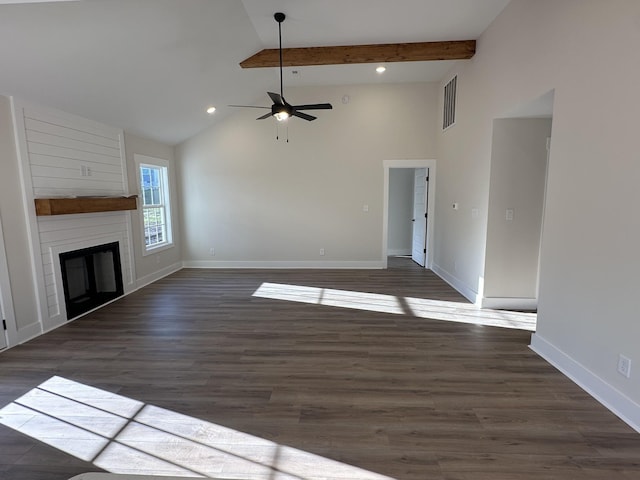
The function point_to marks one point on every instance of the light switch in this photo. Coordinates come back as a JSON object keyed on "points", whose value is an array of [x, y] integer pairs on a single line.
{"points": [[365, 208], [509, 215], [474, 213]]}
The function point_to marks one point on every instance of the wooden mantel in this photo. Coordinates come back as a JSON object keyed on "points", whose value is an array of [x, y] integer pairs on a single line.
{"points": [[67, 206]]}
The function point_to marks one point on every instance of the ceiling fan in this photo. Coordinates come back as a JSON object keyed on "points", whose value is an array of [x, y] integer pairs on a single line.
{"points": [[281, 109]]}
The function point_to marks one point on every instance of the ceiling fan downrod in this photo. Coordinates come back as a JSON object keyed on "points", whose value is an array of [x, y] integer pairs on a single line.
{"points": [[279, 17]]}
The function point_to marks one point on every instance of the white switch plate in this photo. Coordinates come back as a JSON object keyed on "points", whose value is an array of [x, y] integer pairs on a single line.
{"points": [[509, 215], [322, 252], [474, 213], [365, 208]]}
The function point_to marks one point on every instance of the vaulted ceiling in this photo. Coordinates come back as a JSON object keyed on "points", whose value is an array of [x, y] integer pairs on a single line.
{"points": [[153, 66]]}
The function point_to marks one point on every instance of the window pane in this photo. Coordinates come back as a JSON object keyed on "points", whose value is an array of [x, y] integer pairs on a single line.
{"points": [[154, 216]]}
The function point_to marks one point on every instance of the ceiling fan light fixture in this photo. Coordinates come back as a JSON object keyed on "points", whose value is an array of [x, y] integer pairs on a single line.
{"points": [[281, 116], [280, 109]]}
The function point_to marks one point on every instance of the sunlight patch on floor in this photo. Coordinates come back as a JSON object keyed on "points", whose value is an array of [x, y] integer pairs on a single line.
{"points": [[373, 302], [125, 436], [417, 307]]}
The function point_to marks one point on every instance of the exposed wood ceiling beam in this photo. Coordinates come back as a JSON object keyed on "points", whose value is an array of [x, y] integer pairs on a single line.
{"points": [[377, 53]]}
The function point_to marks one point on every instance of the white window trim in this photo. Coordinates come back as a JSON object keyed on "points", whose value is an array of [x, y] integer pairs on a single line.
{"points": [[143, 160]]}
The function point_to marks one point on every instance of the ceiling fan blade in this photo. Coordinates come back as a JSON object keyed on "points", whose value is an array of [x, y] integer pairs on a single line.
{"points": [[276, 98], [266, 115], [303, 115], [314, 106], [248, 106]]}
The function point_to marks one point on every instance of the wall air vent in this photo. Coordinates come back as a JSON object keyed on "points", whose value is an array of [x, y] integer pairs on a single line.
{"points": [[449, 112]]}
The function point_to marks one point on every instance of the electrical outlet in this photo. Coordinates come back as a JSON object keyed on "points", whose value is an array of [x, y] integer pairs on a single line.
{"points": [[624, 366], [322, 252], [212, 251]]}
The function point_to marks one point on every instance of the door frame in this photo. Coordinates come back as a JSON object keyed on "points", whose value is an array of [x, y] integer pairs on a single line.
{"points": [[388, 165], [419, 220], [6, 297]]}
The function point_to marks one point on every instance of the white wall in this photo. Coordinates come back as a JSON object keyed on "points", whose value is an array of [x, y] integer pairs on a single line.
{"points": [[263, 202], [400, 228], [589, 259], [151, 267], [518, 171]]}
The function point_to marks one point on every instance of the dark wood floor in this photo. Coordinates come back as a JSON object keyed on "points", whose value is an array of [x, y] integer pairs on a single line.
{"points": [[406, 397]]}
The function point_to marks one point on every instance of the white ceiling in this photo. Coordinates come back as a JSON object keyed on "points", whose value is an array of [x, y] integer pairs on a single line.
{"points": [[153, 66]]}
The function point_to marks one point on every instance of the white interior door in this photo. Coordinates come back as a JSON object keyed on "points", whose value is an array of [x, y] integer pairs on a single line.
{"points": [[420, 193]]}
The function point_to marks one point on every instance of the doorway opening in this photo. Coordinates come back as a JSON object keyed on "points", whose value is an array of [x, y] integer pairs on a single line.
{"points": [[409, 197], [519, 165]]}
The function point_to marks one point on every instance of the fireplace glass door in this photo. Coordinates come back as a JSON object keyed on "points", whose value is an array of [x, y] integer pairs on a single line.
{"points": [[91, 277]]}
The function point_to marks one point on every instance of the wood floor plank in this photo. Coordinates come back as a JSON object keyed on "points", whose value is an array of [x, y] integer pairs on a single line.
{"points": [[396, 395]]}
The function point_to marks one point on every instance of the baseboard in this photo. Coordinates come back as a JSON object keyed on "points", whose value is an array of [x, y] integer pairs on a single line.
{"points": [[29, 333], [396, 252], [35, 329], [155, 276], [456, 283], [614, 400], [374, 265], [508, 303]]}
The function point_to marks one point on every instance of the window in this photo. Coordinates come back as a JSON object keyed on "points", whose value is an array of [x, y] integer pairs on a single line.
{"points": [[155, 202]]}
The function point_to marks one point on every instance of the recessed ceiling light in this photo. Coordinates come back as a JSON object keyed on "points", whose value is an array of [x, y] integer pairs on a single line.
{"points": [[210, 110], [381, 69]]}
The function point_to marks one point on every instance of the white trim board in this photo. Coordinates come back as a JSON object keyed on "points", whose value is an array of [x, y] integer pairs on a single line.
{"points": [[283, 264], [614, 400], [457, 284], [509, 303], [399, 252], [155, 276], [29, 332], [7, 311]]}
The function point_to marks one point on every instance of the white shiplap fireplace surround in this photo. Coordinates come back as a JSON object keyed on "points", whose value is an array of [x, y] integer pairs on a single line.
{"points": [[62, 155]]}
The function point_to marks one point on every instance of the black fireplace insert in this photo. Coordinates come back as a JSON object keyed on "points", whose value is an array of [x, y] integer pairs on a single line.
{"points": [[91, 277]]}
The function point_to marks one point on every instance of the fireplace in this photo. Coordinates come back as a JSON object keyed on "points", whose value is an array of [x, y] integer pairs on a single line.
{"points": [[91, 277]]}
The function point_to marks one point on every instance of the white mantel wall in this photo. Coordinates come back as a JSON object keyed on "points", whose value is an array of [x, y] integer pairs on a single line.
{"points": [[64, 155]]}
